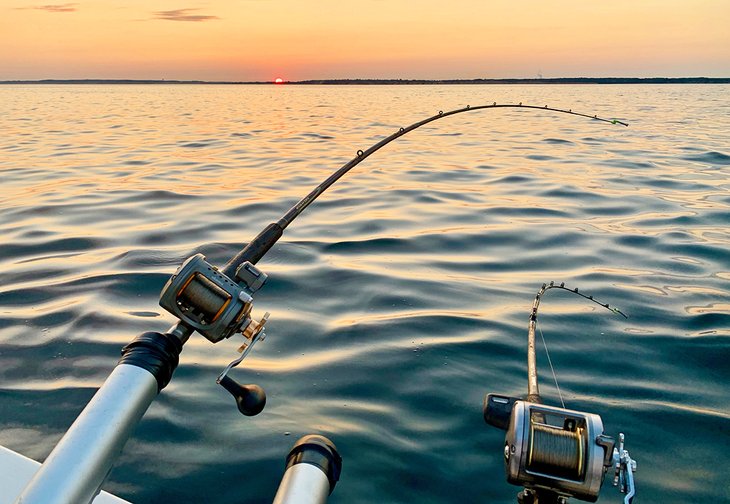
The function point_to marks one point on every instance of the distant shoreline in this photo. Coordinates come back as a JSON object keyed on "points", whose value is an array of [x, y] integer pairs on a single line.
{"points": [[560, 80]]}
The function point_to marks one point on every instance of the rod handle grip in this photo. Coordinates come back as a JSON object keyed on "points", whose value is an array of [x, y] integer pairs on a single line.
{"points": [[256, 248]]}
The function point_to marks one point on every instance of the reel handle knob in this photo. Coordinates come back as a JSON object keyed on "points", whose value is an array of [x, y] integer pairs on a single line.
{"points": [[250, 398]]}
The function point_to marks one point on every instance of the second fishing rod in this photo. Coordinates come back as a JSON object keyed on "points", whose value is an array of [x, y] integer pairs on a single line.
{"points": [[215, 302]]}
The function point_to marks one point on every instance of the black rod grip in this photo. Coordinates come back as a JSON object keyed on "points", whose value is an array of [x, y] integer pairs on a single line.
{"points": [[256, 249], [156, 352]]}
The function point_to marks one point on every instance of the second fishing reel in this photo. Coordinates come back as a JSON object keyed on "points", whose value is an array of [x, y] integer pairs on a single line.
{"points": [[556, 453], [209, 301]]}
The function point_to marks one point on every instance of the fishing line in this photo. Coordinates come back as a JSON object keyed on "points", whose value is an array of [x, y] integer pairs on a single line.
{"points": [[552, 369], [261, 244], [545, 288]]}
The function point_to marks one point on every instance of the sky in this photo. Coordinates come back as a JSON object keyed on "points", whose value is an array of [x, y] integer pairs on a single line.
{"points": [[261, 40]]}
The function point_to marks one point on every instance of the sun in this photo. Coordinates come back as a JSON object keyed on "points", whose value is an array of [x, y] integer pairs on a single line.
{"points": [[279, 80]]}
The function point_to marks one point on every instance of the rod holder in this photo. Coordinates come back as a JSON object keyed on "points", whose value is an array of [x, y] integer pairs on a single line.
{"points": [[313, 468]]}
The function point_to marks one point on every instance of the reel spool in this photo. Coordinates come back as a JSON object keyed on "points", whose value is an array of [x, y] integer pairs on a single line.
{"points": [[555, 451]]}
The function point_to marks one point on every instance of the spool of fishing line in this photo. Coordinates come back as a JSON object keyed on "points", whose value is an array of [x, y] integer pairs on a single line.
{"points": [[556, 451], [205, 296]]}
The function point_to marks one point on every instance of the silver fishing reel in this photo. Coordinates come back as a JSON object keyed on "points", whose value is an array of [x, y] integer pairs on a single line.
{"points": [[212, 303], [555, 451], [218, 307]]}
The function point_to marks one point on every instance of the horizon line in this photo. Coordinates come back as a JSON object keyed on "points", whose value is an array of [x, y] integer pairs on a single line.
{"points": [[505, 80]]}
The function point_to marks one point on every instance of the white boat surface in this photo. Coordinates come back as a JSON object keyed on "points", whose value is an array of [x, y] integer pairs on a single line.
{"points": [[16, 470]]}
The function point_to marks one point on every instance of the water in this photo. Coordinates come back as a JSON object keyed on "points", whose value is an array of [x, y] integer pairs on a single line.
{"points": [[397, 300]]}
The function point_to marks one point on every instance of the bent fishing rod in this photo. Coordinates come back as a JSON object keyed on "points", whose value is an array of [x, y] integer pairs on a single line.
{"points": [[217, 303], [255, 250]]}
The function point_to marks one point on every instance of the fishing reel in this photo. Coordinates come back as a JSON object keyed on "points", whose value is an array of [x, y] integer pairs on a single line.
{"points": [[204, 298], [218, 307], [556, 453]]}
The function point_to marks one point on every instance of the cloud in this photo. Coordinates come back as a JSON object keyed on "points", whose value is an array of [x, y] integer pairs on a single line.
{"points": [[67, 7], [183, 15]]}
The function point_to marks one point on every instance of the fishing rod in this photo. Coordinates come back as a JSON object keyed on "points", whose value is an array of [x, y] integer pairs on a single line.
{"points": [[217, 303], [555, 453], [256, 249]]}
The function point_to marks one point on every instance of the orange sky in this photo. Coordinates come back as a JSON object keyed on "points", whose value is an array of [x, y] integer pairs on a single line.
{"points": [[309, 39]]}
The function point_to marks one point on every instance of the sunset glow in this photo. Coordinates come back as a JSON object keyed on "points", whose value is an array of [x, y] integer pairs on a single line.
{"points": [[222, 40]]}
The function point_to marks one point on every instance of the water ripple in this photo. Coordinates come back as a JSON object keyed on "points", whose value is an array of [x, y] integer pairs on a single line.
{"points": [[398, 299]]}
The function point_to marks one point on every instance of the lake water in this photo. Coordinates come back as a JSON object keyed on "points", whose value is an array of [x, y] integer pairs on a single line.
{"points": [[397, 300]]}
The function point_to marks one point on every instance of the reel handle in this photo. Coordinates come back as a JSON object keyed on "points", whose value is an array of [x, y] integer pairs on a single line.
{"points": [[250, 398]]}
